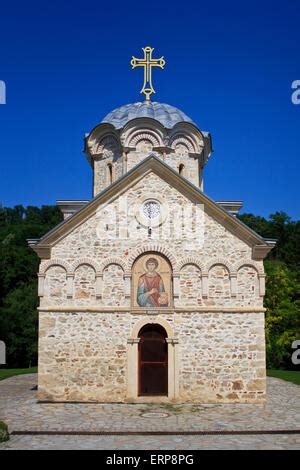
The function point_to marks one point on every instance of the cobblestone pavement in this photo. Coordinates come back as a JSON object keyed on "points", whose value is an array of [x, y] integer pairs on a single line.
{"points": [[20, 410], [261, 442]]}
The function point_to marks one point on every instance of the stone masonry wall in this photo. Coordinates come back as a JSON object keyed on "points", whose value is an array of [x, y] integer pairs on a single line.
{"points": [[222, 357], [84, 284], [113, 286], [219, 286], [190, 286], [82, 356], [56, 285]]}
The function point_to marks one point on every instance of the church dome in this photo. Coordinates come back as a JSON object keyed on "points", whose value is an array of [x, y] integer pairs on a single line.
{"points": [[166, 114]]}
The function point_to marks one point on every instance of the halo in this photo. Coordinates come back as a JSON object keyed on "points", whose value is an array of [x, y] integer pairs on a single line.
{"points": [[148, 257]]}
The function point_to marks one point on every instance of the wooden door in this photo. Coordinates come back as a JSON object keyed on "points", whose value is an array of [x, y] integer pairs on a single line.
{"points": [[153, 361]]}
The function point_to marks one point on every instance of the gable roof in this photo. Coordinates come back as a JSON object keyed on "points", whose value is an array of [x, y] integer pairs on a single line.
{"points": [[153, 164]]}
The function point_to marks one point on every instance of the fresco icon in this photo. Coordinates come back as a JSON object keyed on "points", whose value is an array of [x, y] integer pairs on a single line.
{"points": [[152, 282]]}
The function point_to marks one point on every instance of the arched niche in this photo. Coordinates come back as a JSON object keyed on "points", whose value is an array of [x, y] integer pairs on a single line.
{"points": [[152, 282]]}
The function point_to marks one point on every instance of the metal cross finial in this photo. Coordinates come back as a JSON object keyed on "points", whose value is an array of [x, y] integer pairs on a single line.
{"points": [[147, 62]]}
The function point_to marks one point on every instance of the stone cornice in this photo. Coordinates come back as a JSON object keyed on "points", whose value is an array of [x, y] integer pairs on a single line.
{"points": [[43, 251], [259, 252], [105, 309], [231, 206]]}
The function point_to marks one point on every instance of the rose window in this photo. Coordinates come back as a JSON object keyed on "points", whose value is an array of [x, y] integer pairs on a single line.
{"points": [[151, 209]]}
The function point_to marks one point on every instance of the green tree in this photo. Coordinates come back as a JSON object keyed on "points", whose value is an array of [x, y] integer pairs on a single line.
{"points": [[18, 325], [18, 280], [280, 227], [282, 315]]}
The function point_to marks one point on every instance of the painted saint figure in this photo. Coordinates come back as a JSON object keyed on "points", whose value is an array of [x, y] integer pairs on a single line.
{"points": [[151, 290]]}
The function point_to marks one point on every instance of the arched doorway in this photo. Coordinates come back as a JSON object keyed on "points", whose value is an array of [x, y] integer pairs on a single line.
{"points": [[153, 361]]}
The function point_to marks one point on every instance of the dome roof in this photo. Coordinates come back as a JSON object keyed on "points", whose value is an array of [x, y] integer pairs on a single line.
{"points": [[166, 114]]}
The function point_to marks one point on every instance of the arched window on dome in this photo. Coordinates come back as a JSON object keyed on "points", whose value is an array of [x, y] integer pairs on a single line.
{"points": [[109, 173], [181, 169]]}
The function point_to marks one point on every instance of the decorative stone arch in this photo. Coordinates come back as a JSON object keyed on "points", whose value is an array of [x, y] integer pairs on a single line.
{"points": [[241, 264], [43, 271], [113, 260], [260, 273], [144, 134], [144, 125], [132, 360], [54, 262], [190, 132], [105, 141], [231, 272], [157, 248], [80, 262], [126, 275], [145, 321], [222, 261], [90, 262], [185, 140], [195, 261]]}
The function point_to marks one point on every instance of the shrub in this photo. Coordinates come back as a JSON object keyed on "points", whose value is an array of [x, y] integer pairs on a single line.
{"points": [[4, 436]]}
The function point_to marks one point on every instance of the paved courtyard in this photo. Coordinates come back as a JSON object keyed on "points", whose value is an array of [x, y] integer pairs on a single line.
{"points": [[20, 410]]}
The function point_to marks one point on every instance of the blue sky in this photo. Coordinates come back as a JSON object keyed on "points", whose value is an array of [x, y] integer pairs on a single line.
{"points": [[230, 66]]}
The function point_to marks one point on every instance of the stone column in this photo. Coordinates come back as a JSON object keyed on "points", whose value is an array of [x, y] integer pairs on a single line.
{"points": [[98, 285], [127, 282], [173, 379], [176, 285], [262, 281], [205, 285], [41, 283], [132, 368], [70, 285], [233, 284]]}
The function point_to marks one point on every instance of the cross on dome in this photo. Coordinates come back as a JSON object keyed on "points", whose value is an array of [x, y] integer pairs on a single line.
{"points": [[147, 62]]}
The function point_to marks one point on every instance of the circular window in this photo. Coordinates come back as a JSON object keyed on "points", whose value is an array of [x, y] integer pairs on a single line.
{"points": [[151, 212], [151, 209]]}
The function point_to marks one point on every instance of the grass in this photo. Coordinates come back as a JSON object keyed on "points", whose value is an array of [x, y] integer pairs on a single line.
{"points": [[5, 373], [289, 375]]}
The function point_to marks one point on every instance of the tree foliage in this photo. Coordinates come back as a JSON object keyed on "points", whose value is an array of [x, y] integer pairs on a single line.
{"points": [[18, 280], [283, 313], [280, 227], [282, 301]]}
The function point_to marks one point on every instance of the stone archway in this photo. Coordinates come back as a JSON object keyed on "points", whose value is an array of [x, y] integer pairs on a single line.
{"points": [[172, 392]]}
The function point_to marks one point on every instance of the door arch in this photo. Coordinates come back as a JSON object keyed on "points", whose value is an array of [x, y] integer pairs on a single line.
{"points": [[153, 361]]}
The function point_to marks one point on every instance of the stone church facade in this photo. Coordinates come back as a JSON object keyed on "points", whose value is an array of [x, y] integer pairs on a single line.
{"points": [[151, 291]]}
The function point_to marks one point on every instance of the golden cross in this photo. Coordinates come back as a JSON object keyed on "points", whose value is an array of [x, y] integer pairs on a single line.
{"points": [[147, 62]]}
